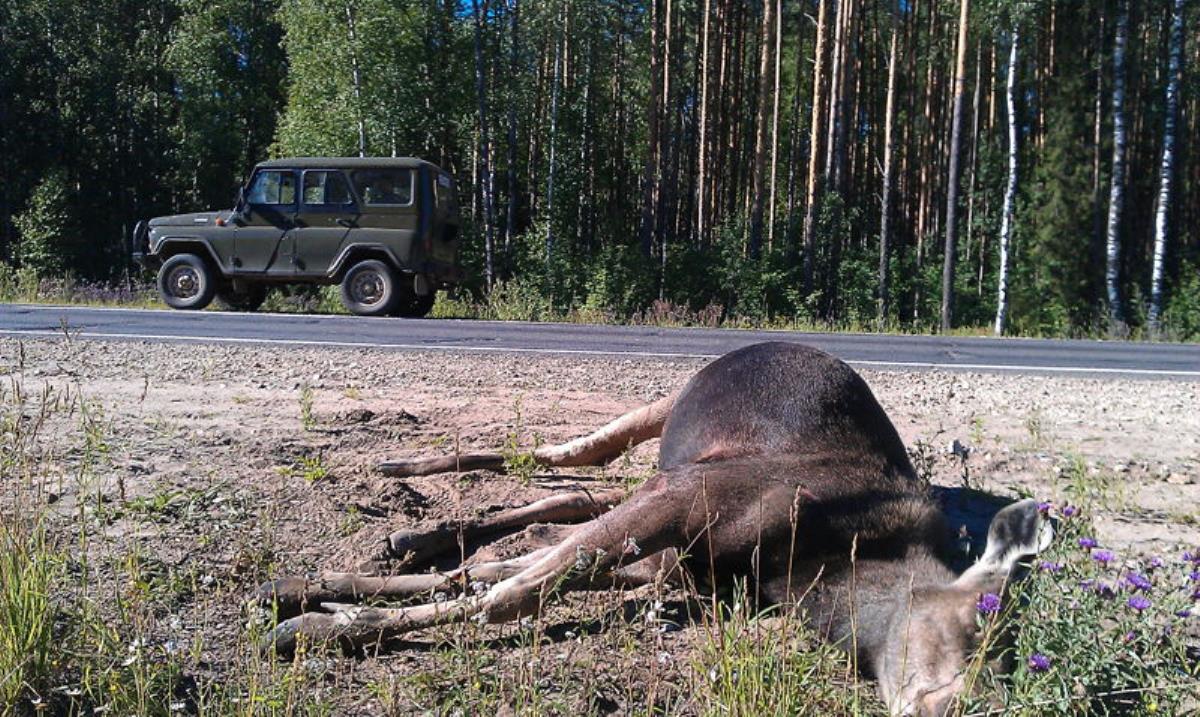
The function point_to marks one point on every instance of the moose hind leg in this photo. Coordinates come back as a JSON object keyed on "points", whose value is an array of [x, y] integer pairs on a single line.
{"points": [[597, 447], [647, 523]]}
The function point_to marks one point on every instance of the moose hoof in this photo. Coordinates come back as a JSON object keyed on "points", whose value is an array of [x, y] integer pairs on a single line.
{"points": [[311, 628], [288, 595], [412, 546]]}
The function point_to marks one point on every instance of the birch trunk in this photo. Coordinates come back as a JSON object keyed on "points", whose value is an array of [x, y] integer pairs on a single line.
{"points": [[489, 176], [1167, 166], [650, 169], [510, 221], [1116, 194], [356, 79], [558, 61], [1010, 191], [951, 251]]}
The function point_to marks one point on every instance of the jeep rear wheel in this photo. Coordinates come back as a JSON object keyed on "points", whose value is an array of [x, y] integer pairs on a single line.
{"points": [[186, 282], [414, 306], [242, 296], [370, 288]]}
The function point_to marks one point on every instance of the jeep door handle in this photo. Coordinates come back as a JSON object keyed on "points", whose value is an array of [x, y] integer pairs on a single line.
{"points": [[345, 223]]}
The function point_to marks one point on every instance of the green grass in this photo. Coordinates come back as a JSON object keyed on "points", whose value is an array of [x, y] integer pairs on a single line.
{"points": [[90, 621], [511, 301]]}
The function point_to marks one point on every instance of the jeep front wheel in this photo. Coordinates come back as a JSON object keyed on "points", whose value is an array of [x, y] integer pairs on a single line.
{"points": [[242, 296], [186, 282], [369, 288]]}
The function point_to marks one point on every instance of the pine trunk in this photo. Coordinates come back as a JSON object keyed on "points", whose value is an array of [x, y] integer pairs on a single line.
{"points": [[701, 170], [885, 214], [760, 133], [951, 252], [814, 155]]}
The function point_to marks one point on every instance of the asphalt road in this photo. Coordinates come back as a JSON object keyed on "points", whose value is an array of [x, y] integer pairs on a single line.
{"points": [[1096, 358]]}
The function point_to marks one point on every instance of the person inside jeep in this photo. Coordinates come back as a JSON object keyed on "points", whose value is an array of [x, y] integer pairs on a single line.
{"points": [[382, 192]]}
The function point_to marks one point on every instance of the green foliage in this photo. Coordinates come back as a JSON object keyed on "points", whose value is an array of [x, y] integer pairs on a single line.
{"points": [[1182, 316], [48, 228], [1110, 647]]}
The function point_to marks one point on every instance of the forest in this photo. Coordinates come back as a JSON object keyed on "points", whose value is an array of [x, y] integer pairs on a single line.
{"points": [[1028, 167]]}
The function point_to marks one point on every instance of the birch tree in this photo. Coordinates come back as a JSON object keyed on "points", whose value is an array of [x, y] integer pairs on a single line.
{"points": [[1010, 191], [1167, 166], [1116, 195]]}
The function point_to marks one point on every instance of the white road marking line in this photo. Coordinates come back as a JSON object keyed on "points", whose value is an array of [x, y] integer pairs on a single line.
{"points": [[590, 352]]}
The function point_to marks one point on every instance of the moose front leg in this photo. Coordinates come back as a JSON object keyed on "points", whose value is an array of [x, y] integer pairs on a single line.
{"points": [[649, 522], [292, 596], [419, 545]]}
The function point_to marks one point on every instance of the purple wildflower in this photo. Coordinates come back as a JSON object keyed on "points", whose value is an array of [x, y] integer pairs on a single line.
{"points": [[1069, 511], [1194, 576], [1104, 557], [1155, 563], [1048, 566], [1045, 506], [1193, 558], [1087, 543], [1038, 662], [989, 603], [1183, 613], [1138, 602], [1138, 582]]}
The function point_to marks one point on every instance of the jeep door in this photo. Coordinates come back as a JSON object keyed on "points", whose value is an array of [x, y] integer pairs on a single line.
{"points": [[388, 218], [263, 242], [328, 211]]}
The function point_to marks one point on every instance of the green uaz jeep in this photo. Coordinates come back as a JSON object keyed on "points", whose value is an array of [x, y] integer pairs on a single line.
{"points": [[386, 230]]}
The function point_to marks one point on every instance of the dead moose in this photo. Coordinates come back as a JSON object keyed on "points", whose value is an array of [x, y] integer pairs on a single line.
{"points": [[776, 465]]}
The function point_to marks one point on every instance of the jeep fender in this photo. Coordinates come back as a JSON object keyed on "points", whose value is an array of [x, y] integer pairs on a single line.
{"points": [[357, 252], [172, 245]]}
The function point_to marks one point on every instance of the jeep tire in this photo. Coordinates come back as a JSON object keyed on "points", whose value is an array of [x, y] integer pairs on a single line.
{"points": [[242, 296], [185, 281], [370, 288], [412, 305]]}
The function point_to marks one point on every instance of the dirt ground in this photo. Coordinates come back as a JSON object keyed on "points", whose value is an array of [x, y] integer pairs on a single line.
{"points": [[231, 464]]}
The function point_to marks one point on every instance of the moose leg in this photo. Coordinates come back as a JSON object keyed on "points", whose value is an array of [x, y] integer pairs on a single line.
{"points": [[418, 546], [595, 448], [651, 521], [291, 596]]}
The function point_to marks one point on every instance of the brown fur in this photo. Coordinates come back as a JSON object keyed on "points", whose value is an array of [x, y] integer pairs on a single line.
{"points": [[776, 465]]}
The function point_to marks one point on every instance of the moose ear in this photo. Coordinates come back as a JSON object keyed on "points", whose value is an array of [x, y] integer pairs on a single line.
{"points": [[1016, 532]]}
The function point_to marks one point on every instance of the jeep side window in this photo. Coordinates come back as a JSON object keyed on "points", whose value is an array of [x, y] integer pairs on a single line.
{"points": [[385, 186], [273, 187], [326, 188]]}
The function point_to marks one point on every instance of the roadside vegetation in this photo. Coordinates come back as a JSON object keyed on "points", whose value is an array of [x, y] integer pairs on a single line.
{"points": [[517, 300], [93, 619]]}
